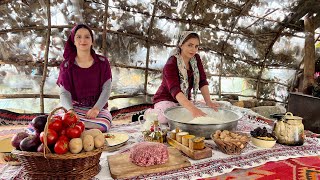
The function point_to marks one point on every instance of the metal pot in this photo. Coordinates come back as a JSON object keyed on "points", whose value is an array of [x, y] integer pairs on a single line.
{"points": [[180, 117], [289, 130]]}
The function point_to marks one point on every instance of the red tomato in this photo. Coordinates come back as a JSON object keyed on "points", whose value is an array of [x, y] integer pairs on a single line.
{"points": [[81, 125], [69, 119], [56, 125], [63, 132], [56, 117], [63, 137], [73, 132], [152, 128], [52, 137], [61, 147]]}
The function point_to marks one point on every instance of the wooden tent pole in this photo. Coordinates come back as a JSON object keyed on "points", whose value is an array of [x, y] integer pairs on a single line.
{"points": [[309, 57], [104, 34], [148, 47], [45, 64]]}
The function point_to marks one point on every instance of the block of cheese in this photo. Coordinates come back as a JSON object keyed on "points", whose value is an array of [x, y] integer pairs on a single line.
{"points": [[179, 136], [186, 138], [196, 143], [173, 133]]}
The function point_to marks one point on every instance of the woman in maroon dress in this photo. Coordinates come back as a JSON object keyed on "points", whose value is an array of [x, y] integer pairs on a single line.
{"points": [[182, 73], [85, 80]]}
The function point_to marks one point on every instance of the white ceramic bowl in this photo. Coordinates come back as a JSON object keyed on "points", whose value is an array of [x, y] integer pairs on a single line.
{"points": [[263, 143]]}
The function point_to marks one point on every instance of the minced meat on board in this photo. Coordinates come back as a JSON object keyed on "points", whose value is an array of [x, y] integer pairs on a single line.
{"points": [[149, 153]]}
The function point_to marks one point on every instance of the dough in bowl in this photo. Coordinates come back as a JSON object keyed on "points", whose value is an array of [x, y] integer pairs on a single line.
{"points": [[206, 120]]}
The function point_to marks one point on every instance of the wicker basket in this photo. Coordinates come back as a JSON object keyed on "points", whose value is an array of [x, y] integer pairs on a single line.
{"points": [[231, 147], [38, 165]]}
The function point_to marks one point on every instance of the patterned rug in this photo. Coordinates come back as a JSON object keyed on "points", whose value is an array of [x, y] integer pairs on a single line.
{"points": [[11, 123], [129, 114], [8, 118], [297, 168], [241, 167], [220, 165], [120, 116]]}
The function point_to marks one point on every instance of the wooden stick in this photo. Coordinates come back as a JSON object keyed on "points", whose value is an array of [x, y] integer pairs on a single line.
{"points": [[104, 34], [148, 47], [44, 75]]}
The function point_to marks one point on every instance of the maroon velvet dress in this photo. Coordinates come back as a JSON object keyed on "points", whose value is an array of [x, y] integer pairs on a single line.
{"points": [[170, 85]]}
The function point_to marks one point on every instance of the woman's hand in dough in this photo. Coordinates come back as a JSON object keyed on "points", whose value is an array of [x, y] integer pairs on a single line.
{"points": [[213, 104], [196, 112]]}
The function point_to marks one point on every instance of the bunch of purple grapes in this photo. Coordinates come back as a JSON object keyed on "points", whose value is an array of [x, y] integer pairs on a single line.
{"points": [[261, 132]]}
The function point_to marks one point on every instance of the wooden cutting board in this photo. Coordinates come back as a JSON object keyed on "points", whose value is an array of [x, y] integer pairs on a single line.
{"points": [[120, 165]]}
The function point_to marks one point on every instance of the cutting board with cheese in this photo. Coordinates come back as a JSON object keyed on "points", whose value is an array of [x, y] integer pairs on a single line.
{"points": [[193, 154], [194, 147], [121, 167]]}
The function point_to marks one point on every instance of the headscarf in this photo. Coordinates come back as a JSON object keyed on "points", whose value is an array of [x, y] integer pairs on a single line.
{"points": [[182, 67], [70, 50], [70, 73]]}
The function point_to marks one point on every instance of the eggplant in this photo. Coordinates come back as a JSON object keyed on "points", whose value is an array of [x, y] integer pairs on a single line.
{"points": [[17, 138], [30, 143], [40, 148], [39, 122]]}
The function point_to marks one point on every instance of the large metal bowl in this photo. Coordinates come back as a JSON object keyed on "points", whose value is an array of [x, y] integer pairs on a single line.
{"points": [[180, 117]]}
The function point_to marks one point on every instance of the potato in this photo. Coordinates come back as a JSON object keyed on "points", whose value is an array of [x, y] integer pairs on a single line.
{"points": [[92, 132], [234, 135], [99, 140], [216, 136], [75, 145], [243, 138], [88, 143]]}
